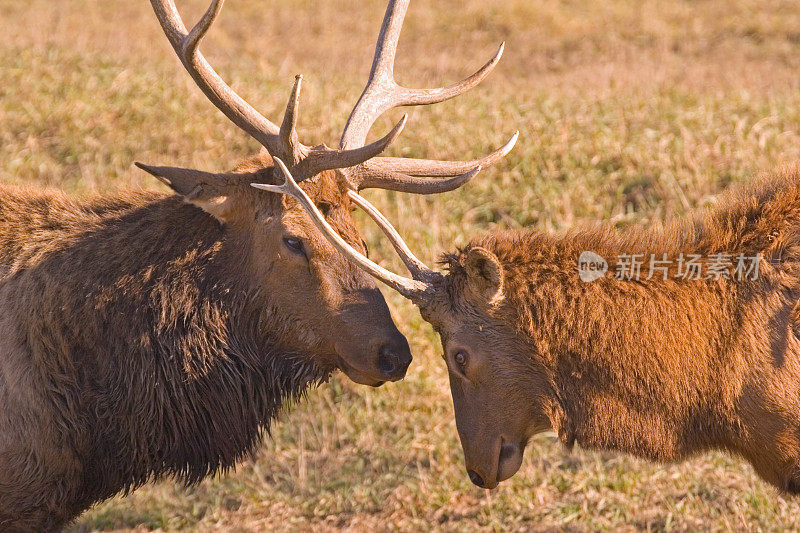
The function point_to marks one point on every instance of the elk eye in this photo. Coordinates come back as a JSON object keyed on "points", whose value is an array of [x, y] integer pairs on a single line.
{"points": [[461, 359], [295, 245]]}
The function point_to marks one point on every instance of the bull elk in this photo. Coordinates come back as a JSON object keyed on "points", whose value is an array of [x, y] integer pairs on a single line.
{"points": [[660, 365], [147, 335]]}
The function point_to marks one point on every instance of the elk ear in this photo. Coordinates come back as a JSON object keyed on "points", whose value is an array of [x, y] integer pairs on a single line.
{"points": [[485, 274], [206, 190]]}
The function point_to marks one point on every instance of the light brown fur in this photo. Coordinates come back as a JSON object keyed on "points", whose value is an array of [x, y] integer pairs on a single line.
{"points": [[659, 369]]}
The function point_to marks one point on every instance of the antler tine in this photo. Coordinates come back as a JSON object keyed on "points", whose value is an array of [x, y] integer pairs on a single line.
{"points": [[440, 94], [410, 288], [382, 91], [328, 159], [288, 130], [411, 175], [397, 181]]}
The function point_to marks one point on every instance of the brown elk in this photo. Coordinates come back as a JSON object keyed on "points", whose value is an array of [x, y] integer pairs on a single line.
{"points": [[147, 335], [660, 366]]}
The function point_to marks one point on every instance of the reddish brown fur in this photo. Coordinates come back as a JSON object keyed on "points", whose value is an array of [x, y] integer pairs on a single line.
{"points": [[141, 338], [660, 369]]}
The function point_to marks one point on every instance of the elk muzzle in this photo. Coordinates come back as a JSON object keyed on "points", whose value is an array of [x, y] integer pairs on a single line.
{"points": [[374, 351], [387, 359], [493, 463]]}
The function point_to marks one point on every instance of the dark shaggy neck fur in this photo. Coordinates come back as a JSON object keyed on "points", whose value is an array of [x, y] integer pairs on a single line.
{"points": [[663, 369], [154, 355]]}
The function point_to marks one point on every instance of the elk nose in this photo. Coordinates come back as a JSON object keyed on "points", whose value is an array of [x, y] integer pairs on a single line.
{"points": [[393, 361], [476, 478]]}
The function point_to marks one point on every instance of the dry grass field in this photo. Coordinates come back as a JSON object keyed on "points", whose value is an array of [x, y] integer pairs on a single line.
{"points": [[629, 110]]}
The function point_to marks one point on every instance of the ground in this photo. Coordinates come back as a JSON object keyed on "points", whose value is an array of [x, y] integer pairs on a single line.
{"points": [[629, 110]]}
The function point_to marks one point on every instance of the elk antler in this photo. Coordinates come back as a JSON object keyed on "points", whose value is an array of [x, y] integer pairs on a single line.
{"points": [[423, 277], [364, 168], [383, 93], [279, 141]]}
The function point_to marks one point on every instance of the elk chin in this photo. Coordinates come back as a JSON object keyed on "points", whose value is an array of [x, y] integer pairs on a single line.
{"points": [[357, 376]]}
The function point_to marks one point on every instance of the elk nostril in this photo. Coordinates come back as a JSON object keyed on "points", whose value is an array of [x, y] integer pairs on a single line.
{"points": [[385, 365], [510, 459], [387, 360], [475, 478]]}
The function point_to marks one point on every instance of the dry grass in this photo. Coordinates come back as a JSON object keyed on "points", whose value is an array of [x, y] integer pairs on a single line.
{"points": [[633, 110]]}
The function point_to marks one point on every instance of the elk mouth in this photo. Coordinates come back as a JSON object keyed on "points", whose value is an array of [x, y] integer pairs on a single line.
{"points": [[356, 375]]}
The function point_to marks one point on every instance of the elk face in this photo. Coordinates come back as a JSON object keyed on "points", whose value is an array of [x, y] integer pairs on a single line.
{"points": [[499, 389], [333, 307], [328, 306]]}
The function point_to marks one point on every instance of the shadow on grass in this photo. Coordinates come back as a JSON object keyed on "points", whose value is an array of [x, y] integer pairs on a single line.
{"points": [[115, 519]]}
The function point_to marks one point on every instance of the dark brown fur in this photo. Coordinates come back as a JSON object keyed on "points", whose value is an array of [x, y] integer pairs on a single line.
{"points": [[142, 338], [660, 369]]}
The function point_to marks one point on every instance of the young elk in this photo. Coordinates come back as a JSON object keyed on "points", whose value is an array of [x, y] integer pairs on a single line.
{"points": [[661, 365], [148, 335]]}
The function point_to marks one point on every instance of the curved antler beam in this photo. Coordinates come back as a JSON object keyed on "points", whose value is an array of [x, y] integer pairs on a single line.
{"points": [[213, 86], [410, 288]]}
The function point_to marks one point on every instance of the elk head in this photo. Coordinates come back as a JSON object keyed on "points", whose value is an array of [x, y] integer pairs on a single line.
{"points": [[336, 310]]}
